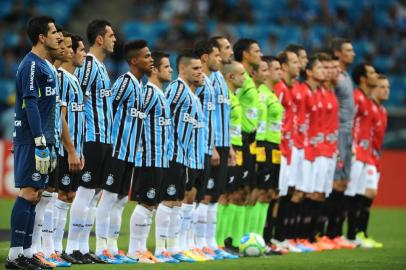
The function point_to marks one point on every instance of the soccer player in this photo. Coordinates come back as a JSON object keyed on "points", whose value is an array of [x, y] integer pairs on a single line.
{"points": [[233, 216], [283, 89], [379, 95], [33, 137], [302, 56], [343, 50], [182, 102], [95, 81], [363, 167], [272, 141], [70, 156], [151, 160], [248, 53]]}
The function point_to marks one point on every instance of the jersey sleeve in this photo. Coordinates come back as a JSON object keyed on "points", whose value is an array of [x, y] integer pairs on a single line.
{"points": [[30, 78], [173, 95], [63, 84], [86, 75], [120, 91]]}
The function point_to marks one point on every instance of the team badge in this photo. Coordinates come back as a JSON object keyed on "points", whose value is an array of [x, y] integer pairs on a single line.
{"points": [[171, 190], [65, 180], [36, 177], [110, 180], [151, 193], [210, 183], [87, 176]]}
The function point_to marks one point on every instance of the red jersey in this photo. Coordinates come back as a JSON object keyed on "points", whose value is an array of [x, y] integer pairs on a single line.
{"points": [[330, 124], [284, 94], [365, 116], [299, 115], [378, 135], [312, 122], [320, 95]]}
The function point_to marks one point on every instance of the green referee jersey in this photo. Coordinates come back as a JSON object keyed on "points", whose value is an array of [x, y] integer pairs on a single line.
{"points": [[263, 107], [235, 120], [248, 97], [274, 116]]}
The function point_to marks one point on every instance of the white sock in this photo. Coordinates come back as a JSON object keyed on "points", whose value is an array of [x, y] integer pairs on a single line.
{"points": [[61, 211], [186, 211], [162, 220], [191, 232], [28, 252], [48, 232], [211, 226], [200, 232], [85, 234], [14, 252], [107, 202], [174, 228], [78, 214], [36, 245], [139, 228], [115, 224]]}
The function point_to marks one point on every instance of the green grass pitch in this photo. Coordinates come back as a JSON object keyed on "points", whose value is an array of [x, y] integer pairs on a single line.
{"points": [[387, 225]]}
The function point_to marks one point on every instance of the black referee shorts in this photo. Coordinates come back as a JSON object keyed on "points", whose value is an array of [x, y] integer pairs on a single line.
{"points": [[249, 157], [234, 173], [268, 162]]}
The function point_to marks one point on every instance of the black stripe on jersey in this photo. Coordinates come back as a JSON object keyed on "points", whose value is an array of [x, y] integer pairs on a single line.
{"points": [[120, 132], [178, 94], [189, 111], [60, 79], [87, 73], [95, 114], [148, 96], [123, 86], [222, 113]]}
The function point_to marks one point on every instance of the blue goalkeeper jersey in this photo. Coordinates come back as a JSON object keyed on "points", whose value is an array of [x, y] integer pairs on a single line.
{"points": [[222, 110], [35, 79], [95, 83], [128, 116], [73, 99]]}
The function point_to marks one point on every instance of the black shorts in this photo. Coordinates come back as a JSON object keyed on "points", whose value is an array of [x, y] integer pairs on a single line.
{"points": [[117, 176], [249, 157], [174, 182], [234, 173], [216, 185], [147, 184], [97, 156], [66, 180], [199, 178], [268, 162]]}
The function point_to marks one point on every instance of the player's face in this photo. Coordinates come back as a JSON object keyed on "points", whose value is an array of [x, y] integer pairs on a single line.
{"points": [[59, 53], [52, 38], [79, 56], [347, 53], [109, 40], [327, 70], [254, 55], [194, 72], [383, 89], [336, 70], [262, 73], [165, 70], [226, 51], [293, 65], [303, 59], [214, 60], [144, 60], [372, 76], [237, 77], [275, 71], [318, 72], [68, 52]]}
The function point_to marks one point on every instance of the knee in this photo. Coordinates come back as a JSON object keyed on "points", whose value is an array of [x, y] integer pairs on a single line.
{"points": [[297, 196], [371, 193], [30, 194]]}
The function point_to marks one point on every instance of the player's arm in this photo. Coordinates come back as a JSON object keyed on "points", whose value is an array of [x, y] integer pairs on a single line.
{"points": [[120, 93], [31, 94]]}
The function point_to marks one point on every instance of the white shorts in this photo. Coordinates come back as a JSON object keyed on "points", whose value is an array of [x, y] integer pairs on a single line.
{"points": [[372, 180], [284, 174], [323, 181], [361, 174], [296, 167], [305, 183], [328, 187]]}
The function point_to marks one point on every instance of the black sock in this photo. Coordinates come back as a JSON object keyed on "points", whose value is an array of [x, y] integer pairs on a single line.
{"points": [[353, 208], [315, 214], [294, 217], [335, 210], [307, 218], [322, 219], [364, 214], [270, 222], [282, 219]]}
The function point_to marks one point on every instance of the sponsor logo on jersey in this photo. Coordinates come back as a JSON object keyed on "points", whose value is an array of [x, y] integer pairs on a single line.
{"points": [[134, 112], [32, 74], [105, 93], [76, 107]]}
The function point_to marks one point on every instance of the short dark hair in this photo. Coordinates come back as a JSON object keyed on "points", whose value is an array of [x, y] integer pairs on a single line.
{"points": [[337, 43], [283, 56], [311, 63], [66, 33], [296, 48], [382, 77], [270, 58], [359, 71], [204, 47], [37, 26], [132, 48], [216, 39], [75, 42], [243, 44], [323, 56], [186, 54], [59, 28], [95, 28], [158, 56]]}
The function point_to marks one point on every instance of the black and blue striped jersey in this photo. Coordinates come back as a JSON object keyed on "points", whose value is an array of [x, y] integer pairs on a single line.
{"points": [[198, 142], [207, 99], [156, 129], [128, 116], [95, 83], [222, 110], [57, 115], [179, 98], [73, 99]]}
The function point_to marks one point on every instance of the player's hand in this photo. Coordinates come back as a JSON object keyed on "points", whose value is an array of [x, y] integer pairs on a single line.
{"points": [[232, 158], [82, 162], [53, 159], [42, 155], [75, 164], [215, 159]]}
